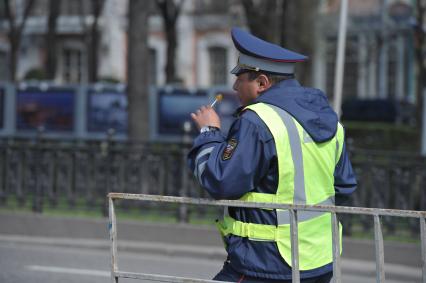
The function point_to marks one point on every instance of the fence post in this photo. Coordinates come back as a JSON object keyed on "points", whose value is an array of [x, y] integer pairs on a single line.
{"points": [[3, 174], [183, 192], [107, 157], [72, 201], [21, 197], [38, 192]]}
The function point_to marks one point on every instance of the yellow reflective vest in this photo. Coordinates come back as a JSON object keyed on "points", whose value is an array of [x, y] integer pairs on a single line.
{"points": [[306, 176]]}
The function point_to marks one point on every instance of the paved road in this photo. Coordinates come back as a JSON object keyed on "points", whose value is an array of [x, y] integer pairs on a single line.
{"points": [[27, 263], [24, 262]]}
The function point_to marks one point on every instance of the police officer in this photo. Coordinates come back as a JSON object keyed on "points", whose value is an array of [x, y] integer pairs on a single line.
{"points": [[286, 146]]}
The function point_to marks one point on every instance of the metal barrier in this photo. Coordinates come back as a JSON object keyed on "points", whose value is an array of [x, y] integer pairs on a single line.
{"points": [[293, 209]]}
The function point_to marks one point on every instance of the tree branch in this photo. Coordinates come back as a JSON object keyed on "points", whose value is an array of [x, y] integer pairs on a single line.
{"points": [[178, 8], [10, 17], [162, 6], [169, 10], [27, 11]]}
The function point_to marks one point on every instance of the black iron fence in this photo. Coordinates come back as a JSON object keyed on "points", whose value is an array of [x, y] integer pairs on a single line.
{"points": [[47, 173]]}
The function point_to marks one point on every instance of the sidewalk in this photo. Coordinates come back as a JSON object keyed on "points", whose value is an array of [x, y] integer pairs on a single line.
{"points": [[168, 239]]}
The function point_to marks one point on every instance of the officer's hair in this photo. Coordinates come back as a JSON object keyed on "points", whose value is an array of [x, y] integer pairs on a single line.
{"points": [[273, 78]]}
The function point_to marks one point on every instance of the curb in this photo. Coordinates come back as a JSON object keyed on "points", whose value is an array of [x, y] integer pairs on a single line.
{"points": [[157, 248], [170, 238]]}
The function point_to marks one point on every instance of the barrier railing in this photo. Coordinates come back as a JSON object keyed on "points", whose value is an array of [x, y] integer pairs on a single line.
{"points": [[293, 209]]}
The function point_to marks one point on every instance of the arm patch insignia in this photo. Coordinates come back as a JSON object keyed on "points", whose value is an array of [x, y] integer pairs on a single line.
{"points": [[229, 149]]}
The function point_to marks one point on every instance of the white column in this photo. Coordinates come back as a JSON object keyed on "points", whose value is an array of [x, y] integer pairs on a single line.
{"points": [[112, 63], [159, 45], [185, 38], [384, 52], [232, 59], [319, 70], [362, 66], [372, 67]]}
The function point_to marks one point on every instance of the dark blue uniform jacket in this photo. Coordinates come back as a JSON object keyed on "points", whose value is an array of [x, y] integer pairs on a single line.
{"points": [[228, 170]]}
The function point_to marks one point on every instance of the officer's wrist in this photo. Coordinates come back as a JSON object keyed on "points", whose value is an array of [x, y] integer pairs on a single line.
{"points": [[208, 129]]}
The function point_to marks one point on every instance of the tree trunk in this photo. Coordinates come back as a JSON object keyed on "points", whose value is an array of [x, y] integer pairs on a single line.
{"points": [[170, 10], [305, 13], [50, 45], [13, 63], [284, 23], [138, 68], [263, 18], [420, 59], [93, 53], [97, 6], [15, 33], [171, 53], [287, 23]]}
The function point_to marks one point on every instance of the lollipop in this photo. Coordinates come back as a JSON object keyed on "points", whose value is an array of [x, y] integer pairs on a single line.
{"points": [[217, 99]]}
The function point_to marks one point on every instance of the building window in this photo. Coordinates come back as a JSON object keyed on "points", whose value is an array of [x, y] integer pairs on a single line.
{"points": [[72, 65], [152, 66], [218, 66], [2, 10], [40, 8], [73, 7], [211, 6]]}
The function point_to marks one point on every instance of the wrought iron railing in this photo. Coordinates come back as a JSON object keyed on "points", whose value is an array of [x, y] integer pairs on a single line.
{"points": [[79, 174]]}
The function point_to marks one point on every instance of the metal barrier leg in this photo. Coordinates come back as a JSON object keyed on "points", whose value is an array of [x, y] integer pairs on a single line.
{"points": [[423, 242], [380, 259], [113, 238], [294, 247], [337, 276]]}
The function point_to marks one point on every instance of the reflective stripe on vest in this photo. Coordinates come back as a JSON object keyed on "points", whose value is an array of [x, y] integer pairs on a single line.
{"points": [[315, 249]]}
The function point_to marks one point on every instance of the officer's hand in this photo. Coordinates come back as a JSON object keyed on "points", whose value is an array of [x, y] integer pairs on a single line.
{"points": [[206, 116]]}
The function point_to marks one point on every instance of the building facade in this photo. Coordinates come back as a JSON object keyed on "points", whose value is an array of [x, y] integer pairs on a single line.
{"points": [[379, 50], [204, 54], [379, 55]]}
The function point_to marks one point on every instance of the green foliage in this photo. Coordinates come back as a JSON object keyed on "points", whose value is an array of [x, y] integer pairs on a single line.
{"points": [[35, 74], [382, 136], [132, 211], [109, 79]]}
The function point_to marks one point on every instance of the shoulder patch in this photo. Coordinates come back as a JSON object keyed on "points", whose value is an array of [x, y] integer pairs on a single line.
{"points": [[229, 149]]}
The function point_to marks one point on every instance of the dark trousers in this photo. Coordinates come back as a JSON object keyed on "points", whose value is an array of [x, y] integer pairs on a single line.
{"points": [[229, 274]]}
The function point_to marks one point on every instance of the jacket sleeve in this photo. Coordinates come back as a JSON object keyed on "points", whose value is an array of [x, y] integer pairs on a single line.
{"points": [[344, 178], [229, 168]]}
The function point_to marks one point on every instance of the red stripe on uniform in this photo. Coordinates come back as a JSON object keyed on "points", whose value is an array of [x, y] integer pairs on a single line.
{"points": [[241, 279]]}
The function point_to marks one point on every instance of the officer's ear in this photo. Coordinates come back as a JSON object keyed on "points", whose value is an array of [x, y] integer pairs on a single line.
{"points": [[263, 82]]}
